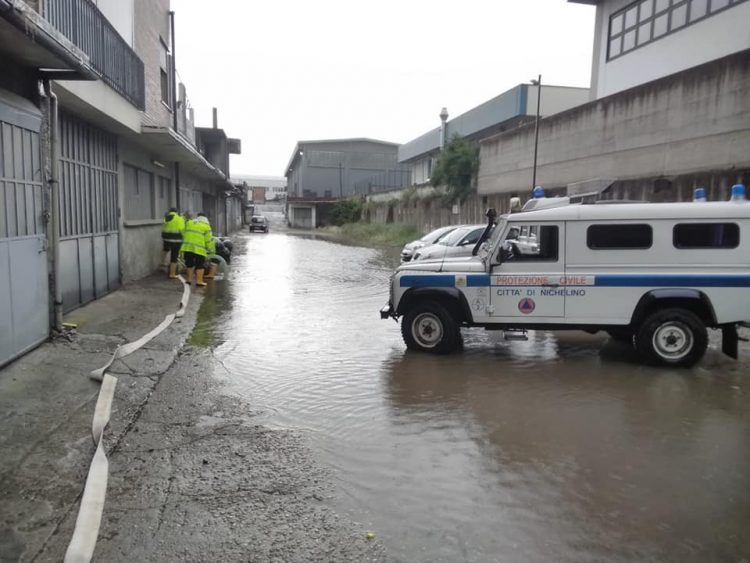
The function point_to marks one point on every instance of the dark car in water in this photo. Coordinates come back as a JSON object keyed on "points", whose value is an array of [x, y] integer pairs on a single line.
{"points": [[258, 223]]}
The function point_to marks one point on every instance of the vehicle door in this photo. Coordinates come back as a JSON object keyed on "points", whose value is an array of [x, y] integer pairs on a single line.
{"points": [[528, 282]]}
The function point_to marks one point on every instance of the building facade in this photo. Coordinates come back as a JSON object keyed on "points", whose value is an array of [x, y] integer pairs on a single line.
{"points": [[98, 143], [502, 113], [637, 41]]}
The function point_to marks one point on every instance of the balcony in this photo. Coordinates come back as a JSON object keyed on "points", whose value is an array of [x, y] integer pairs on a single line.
{"points": [[109, 54]]}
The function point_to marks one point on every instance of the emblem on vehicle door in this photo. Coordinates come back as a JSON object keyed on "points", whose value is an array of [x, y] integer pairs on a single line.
{"points": [[526, 305], [460, 281]]}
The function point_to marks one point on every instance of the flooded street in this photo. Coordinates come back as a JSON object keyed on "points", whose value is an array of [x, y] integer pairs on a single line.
{"points": [[562, 448]]}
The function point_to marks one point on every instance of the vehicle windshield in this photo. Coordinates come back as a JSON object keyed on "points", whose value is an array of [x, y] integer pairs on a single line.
{"points": [[434, 236], [455, 236]]}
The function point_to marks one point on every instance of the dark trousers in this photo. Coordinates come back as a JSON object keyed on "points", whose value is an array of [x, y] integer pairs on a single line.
{"points": [[173, 247], [193, 260]]}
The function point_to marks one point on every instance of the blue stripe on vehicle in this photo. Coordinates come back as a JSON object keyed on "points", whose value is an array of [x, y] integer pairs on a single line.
{"points": [[607, 280], [428, 281], [481, 280], [672, 280]]}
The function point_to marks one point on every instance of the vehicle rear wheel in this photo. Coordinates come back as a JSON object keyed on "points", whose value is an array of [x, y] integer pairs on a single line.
{"points": [[429, 327], [672, 337]]}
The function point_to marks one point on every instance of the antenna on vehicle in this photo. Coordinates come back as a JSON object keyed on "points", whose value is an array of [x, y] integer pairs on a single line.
{"points": [[491, 215]]}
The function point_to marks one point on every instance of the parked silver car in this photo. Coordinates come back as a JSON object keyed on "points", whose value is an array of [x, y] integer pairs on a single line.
{"points": [[430, 238], [458, 243]]}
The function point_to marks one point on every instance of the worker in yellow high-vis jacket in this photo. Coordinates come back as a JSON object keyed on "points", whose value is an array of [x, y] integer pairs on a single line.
{"points": [[171, 236], [197, 244]]}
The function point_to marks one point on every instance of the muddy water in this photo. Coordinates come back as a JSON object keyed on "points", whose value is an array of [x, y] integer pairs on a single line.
{"points": [[561, 448]]}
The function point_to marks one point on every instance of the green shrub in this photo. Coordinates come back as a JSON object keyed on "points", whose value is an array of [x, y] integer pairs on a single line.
{"points": [[346, 211]]}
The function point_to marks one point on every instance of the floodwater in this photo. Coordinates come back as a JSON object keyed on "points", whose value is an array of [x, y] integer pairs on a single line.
{"points": [[561, 448]]}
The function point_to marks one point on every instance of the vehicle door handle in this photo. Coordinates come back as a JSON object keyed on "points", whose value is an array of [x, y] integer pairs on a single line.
{"points": [[550, 285]]}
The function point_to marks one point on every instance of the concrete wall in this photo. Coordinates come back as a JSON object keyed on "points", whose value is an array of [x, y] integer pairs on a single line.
{"points": [[140, 239], [696, 121], [141, 251], [712, 38]]}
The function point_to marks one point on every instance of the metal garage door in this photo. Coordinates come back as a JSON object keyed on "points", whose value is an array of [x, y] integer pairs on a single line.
{"points": [[24, 294], [89, 240]]}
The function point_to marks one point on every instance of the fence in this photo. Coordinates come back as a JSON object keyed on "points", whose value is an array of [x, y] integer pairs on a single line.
{"points": [[119, 66]]}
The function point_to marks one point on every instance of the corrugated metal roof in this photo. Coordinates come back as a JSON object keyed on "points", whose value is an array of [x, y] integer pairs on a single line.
{"points": [[506, 106]]}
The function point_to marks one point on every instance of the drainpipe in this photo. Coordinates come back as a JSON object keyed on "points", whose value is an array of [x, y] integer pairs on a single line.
{"points": [[54, 183]]}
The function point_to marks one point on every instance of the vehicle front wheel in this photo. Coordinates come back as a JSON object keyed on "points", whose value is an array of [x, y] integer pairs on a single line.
{"points": [[429, 327], [672, 337]]}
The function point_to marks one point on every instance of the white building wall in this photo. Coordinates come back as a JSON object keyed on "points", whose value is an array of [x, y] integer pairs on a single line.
{"points": [[120, 15], [716, 36], [555, 99], [420, 169]]}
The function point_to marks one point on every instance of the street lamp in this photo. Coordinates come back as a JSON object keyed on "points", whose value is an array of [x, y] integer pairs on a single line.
{"points": [[538, 84]]}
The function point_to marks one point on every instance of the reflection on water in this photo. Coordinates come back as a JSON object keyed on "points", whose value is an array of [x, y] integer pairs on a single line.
{"points": [[559, 448]]}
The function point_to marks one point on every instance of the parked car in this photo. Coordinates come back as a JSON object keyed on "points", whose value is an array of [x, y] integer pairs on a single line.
{"points": [[458, 243], [523, 241], [430, 238], [258, 223]]}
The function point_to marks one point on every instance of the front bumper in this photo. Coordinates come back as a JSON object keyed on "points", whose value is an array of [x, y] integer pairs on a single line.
{"points": [[386, 311]]}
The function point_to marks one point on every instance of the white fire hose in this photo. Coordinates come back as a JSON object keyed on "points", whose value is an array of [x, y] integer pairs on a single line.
{"points": [[83, 542]]}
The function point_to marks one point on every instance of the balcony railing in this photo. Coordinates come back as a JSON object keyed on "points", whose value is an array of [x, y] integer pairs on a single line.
{"points": [[83, 23]]}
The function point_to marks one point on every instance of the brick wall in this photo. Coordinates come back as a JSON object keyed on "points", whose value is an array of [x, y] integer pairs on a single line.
{"points": [[152, 26]]}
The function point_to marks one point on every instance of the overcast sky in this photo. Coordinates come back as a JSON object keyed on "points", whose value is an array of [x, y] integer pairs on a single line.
{"points": [[280, 71]]}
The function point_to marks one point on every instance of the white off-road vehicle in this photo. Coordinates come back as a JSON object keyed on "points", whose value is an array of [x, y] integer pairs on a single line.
{"points": [[656, 275]]}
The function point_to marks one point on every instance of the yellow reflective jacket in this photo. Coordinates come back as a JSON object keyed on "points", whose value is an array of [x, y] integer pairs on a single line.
{"points": [[197, 237], [173, 226]]}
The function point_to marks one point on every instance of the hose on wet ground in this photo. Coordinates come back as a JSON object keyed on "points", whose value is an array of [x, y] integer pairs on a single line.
{"points": [[83, 542]]}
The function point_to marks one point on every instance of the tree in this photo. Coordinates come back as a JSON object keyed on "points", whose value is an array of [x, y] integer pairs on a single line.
{"points": [[457, 168]]}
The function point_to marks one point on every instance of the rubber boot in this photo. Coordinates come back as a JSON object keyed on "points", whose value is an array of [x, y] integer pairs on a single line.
{"points": [[189, 275], [199, 278], [212, 269], [172, 270]]}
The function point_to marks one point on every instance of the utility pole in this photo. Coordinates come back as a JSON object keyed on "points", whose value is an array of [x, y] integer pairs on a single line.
{"points": [[538, 84]]}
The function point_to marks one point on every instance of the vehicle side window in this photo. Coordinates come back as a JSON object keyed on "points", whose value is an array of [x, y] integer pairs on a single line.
{"points": [[542, 248], [472, 237], [706, 235], [619, 237]]}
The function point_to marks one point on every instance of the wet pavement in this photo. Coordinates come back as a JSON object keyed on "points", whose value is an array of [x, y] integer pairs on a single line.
{"points": [[562, 448]]}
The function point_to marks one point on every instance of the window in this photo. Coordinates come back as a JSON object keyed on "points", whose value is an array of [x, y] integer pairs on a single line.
{"points": [[165, 75], [540, 248], [679, 17], [706, 235], [698, 9], [644, 21], [620, 237], [139, 194]]}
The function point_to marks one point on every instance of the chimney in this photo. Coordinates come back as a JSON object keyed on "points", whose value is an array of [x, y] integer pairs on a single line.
{"points": [[216, 119]]}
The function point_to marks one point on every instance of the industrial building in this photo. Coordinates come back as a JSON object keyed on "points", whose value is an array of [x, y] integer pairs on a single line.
{"points": [[671, 110], [504, 112], [97, 142], [320, 172]]}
